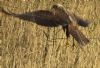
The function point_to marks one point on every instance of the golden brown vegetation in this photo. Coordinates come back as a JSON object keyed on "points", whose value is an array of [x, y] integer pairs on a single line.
{"points": [[24, 44]]}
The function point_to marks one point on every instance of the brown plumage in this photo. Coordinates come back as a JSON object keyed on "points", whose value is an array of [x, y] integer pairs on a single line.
{"points": [[56, 16]]}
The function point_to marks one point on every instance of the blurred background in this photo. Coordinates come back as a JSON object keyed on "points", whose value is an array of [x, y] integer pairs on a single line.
{"points": [[25, 44]]}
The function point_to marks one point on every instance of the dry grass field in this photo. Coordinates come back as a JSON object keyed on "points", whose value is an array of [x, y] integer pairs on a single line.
{"points": [[25, 44]]}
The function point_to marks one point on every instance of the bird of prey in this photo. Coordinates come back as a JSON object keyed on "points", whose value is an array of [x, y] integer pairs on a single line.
{"points": [[56, 16]]}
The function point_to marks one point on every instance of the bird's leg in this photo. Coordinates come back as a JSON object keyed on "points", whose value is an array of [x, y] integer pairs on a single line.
{"points": [[66, 30], [67, 33], [73, 43]]}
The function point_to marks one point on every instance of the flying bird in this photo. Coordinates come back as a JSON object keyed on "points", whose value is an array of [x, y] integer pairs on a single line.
{"points": [[56, 16]]}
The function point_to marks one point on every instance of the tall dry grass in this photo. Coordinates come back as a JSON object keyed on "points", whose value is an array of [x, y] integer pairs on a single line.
{"points": [[24, 44]]}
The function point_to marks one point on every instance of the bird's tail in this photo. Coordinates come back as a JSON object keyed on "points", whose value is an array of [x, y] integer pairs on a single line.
{"points": [[77, 34]]}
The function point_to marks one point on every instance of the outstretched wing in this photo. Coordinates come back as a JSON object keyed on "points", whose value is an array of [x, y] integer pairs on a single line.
{"points": [[77, 20], [81, 22], [46, 18], [40, 17]]}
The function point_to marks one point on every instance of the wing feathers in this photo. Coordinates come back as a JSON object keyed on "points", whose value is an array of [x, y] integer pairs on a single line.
{"points": [[81, 22], [40, 17], [77, 20]]}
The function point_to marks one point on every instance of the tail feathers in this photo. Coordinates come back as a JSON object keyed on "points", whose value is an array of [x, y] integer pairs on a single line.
{"points": [[78, 35], [83, 37]]}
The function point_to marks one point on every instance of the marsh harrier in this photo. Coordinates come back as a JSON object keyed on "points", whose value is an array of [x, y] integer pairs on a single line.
{"points": [[56, 16]]}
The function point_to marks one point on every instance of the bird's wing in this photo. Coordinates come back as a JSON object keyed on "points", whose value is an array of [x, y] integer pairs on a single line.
{"points": [[79, 21], [46, 18], [40, 17]]}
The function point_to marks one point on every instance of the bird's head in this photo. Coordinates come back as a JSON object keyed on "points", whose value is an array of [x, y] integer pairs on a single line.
{"points": [[58, 7]]}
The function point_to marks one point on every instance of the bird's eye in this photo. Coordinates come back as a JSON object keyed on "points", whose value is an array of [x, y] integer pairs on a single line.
{"points": [[55, 6]]}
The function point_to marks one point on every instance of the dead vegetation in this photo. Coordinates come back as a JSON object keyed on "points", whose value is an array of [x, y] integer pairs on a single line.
{"points": [[24, 44]]}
